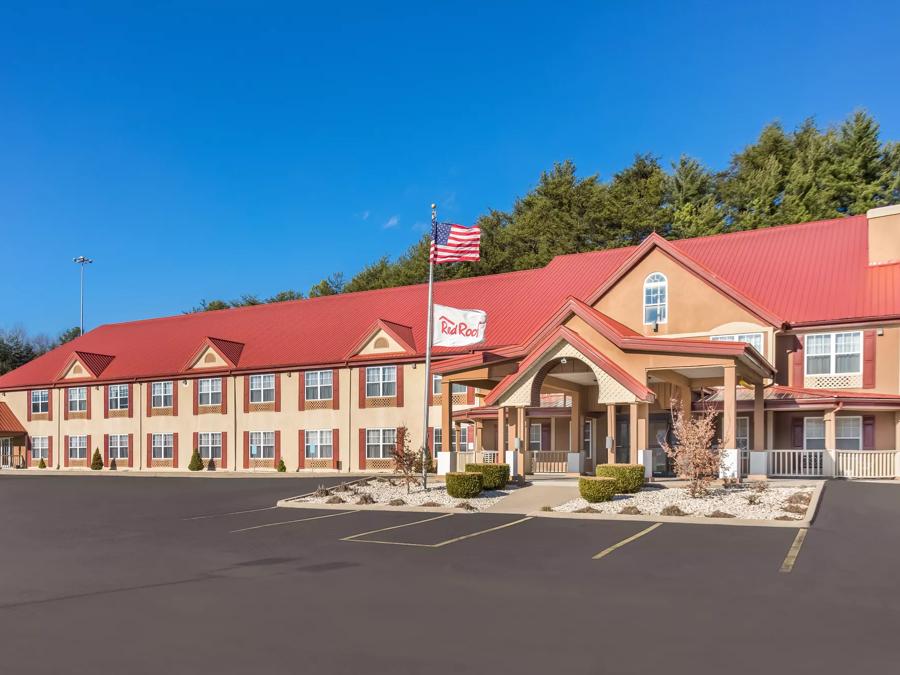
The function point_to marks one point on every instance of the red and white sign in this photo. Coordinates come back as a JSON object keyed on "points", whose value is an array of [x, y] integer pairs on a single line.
{"points": [[458, 327]]}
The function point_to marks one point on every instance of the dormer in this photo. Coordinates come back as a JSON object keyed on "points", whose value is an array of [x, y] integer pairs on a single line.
{"points": [[216, 353], [385, 337], [85, 365], [884, 235]]}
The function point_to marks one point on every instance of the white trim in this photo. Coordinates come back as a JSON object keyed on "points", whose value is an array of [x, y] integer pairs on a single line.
{"points": [[662, 286], [832, 353]]}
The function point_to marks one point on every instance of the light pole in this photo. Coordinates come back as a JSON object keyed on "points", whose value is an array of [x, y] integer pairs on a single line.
{"points": [[82, 261]]}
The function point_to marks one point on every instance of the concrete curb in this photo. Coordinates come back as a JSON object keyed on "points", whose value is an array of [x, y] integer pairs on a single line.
{"points": [[288, 503], [182, 473]]}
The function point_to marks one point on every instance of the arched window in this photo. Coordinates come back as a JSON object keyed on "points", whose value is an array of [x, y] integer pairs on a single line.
{"points": [[656, 298]]}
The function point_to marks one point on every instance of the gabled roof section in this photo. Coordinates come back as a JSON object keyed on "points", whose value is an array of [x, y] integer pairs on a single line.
{"points": [[95, 364], [228, 350], [655, 241], [402, 335], [9, 423]]}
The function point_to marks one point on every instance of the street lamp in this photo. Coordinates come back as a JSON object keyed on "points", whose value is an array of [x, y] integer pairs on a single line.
{"points": [[82, 261]]}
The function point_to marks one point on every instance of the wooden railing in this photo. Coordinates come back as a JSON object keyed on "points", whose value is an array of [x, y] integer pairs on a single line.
{"points": [[799, 463], [545, 461], [865, 463]]}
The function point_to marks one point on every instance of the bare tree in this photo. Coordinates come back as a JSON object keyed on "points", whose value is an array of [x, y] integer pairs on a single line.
{"points": [[404, 458], [696, 455]]}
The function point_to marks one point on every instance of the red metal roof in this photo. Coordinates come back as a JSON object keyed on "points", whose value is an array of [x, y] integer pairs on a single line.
{"points": [[813, 272], [9, 423]]}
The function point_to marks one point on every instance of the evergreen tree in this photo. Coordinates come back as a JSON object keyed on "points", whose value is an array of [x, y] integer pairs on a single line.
{"points": [[196, 463], [96, 460]]}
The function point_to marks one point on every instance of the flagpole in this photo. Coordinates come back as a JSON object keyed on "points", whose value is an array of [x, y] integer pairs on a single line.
{"points": [[428, 350]]}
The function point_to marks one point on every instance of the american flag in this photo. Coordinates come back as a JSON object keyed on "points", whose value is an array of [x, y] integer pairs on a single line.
{"points": [[454, 243]]}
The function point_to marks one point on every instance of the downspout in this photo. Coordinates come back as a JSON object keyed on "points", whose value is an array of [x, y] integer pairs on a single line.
{"points": [[349, 418]]}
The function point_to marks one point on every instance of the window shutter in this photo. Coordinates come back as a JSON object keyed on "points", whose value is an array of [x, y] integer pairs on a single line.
{"points": [[869, 338], [88, 452], [246, 394], [130, 450], [105, 449], [149, 450], [246, 449], [130, 408], [149, 400], [797, 362], [105, 402], [49, 404], [401, 435], [223, 463], [277, 395], [50, 451], [362, 388], [196, 397], [362, 449], [335, 389], [399, 401], [868, 438], [430, 440], [28, 402], [301, 396], [335, 448], [470, 395], [430, 389], [224, 407], [27, 451], [88, 395], [196, 442], [277, 442], [175, 450], [174, 399], [301, 441], [797, 432], [65, 451], [65, 403]]}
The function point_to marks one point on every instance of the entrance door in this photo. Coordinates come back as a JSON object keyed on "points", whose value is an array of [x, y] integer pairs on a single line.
{"points": [[660, 432], [623, 439], [5, 453]]}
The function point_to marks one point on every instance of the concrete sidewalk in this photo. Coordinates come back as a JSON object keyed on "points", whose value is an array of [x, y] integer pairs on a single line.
{"points": [[536, 496]]}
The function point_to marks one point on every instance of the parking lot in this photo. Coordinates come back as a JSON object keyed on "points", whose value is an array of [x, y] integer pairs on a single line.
{"points": [[191, 575]]}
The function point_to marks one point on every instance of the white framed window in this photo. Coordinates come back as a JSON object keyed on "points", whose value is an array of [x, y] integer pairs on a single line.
{"points": [[209, 391], [319, 443], [381, 381], [742, 432], [161, 446], [437, 436], [813, 433], [161, 394], [262, 444], [118, 446], [587, 436], [117, 395], [465, 437], [77, 447], [40, 401], [848, 432], [656, 298], [262, 388], [535, 435], [753, 339], [834, 353], [319, 385], [455, 388], [39, 448], [210, 444], [77, 397], [380, 443]]}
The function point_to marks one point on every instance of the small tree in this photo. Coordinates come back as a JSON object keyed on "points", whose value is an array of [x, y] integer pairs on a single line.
{"points": [[196, 463], [404, 458], [112, 464], [695, 456], [282, 468], [96, 460], [42, 464]]}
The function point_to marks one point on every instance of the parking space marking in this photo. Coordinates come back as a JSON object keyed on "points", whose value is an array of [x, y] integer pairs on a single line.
{"points": [[628, 540], [478, 534], [291, 522], [355, 537], [230, 513], [793, 551]]}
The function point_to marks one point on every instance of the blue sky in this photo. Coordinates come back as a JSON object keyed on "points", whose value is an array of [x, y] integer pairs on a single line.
{"points": [[200, 151]]}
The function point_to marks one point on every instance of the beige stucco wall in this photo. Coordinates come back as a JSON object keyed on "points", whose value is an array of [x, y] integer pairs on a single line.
{"points": [[884, 427]]}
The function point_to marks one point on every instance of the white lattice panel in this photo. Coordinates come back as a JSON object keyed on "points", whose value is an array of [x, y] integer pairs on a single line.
{"points": [[833, 381]]}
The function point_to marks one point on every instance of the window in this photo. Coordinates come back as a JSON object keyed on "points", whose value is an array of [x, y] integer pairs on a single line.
{"points": [[380, 443], [210, 445], [118, 397], [834, 353], [262, 444], [655, 298], [77, 447], [40, 401], [534, 436], [161, 445], [848, 433], [586, 437], [813, 433], [437, 440], [209, 391], [464, 435], [381, 381], [262, 388], [39, 447], [454, 388], [118, 446], [161, 394], [742, 432], [77, 399], [318, 444], [319, 385], [754, 339]]}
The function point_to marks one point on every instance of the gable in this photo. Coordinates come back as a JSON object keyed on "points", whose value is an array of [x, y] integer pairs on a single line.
{"points": [[694, 304], [76, 371], [380, 342], [208, 358]]}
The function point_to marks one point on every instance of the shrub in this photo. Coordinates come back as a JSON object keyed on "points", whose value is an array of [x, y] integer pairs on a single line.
{"points": [[794, 508], [211, 464], [585, 509], [672, 510], [799, 498], [599, 489], [759, 486], [321, 491], [281, 466], [719, 514], [112, 464], [466, 506], [430, 504], [432, 465], [464, 485], [42, 464], [334, 499], [630, 511], [397, 502], [496, 476], [196, 463], [754, 499], [629, 477], [364, 498], [96, 460]]}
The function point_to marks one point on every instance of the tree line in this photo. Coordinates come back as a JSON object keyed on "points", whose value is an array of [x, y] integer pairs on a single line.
{"points": [[17, 347], [784, 176]]}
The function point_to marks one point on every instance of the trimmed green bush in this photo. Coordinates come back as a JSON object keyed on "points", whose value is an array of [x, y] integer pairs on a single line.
{"points": [[496, 476], [42, 464], [629, 477], [281, 466], [597, 489], [96, 460], [196, 463], [464, 485]]}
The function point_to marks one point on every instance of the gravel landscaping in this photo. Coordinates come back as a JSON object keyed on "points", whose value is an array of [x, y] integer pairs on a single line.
{"points": [[392, 492], [745, 501]]}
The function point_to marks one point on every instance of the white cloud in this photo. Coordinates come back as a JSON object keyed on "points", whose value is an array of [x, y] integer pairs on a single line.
{"points": [[393, 221]]}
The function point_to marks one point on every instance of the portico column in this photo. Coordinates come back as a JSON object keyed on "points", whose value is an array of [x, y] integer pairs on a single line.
{"points": [[501, 434], [552, 434], [632, 432], [729, 419], [521, 435], [770, 430], [611, 433], [829, 456], [759, 417], [447, 419]]}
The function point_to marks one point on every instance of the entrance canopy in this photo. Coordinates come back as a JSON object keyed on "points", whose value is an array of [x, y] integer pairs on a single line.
{"points": [[9, 423]]}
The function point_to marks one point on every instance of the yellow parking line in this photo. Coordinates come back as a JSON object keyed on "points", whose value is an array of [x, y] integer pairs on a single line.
{"points": [[607, 551], [395, 527], [793, 551], [291, 522]]}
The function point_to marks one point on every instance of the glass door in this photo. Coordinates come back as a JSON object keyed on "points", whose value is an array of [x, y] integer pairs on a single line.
{"points": [[5, 452], [661, 432], [623, 439]]}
